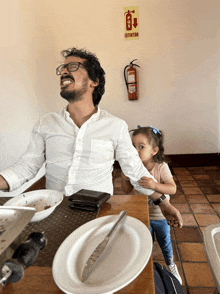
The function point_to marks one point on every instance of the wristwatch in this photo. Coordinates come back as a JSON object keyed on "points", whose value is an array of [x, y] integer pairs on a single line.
{"points": [[160, 200]]}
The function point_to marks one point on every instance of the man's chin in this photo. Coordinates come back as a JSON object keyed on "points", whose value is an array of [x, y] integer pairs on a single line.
{"points": [[67, 95], [70, 96]]}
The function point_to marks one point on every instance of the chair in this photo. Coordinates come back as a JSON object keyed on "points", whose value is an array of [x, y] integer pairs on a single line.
{"points": [[211, 238]]}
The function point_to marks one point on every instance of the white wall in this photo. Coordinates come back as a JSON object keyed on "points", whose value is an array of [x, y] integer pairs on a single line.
{"points": [[178, 51]]}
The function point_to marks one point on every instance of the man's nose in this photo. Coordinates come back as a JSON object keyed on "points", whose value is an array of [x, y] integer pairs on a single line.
{"points": [[64, 70]]}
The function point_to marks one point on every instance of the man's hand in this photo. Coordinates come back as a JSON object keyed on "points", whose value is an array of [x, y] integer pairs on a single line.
{"points": [[172, 215], [147, 183], [3, 184]]}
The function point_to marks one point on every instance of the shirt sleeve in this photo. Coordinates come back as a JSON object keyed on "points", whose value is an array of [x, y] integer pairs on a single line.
{"points": [[28, 165], [130, 162]]}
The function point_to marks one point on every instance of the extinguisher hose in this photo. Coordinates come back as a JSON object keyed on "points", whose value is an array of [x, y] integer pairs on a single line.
{"points": [[125, 76], [131, 64]]}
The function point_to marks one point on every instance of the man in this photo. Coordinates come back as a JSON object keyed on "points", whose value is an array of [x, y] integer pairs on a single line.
{"points": [[81, 142]]}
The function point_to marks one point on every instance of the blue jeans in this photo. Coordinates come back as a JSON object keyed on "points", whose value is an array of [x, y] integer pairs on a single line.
{"points": [[162, 231]]}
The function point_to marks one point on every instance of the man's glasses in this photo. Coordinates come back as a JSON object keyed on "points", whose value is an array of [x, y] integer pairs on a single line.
{"points": [[71, 67]]}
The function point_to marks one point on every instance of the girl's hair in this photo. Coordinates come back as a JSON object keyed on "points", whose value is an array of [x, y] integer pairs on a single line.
{"points": [[155, 139]]}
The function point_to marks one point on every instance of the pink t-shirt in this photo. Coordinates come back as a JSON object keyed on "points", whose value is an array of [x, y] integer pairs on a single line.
{"points": [[161, 173]]}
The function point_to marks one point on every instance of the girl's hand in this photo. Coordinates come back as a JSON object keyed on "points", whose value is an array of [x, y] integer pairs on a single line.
{"points": [[173, 216], [147, 183]]}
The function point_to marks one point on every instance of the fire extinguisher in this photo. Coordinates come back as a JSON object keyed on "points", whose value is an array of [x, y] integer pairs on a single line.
{"points": [[129, 20], [130, 76]]}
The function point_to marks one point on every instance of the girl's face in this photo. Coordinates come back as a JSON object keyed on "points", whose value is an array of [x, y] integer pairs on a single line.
{"points": [[145, 150]]}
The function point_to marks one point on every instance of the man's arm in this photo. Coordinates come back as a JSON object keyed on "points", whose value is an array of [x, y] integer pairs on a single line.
{"points": [[3, 184], [27, 166]]}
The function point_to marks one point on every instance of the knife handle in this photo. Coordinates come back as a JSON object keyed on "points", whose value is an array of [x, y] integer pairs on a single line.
{"points": [[122, 214], [27, 252], [22, 258]]}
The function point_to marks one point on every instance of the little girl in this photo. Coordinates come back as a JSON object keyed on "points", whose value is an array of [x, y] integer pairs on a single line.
{"points": [[149, 143]]}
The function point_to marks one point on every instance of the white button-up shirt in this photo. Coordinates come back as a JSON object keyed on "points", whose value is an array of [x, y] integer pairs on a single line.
{"points": [[78, 158]]}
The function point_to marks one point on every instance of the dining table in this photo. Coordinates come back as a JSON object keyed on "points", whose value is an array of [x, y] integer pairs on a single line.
{"points": [[38, 278]]}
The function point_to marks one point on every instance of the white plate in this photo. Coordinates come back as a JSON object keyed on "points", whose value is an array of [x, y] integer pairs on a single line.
{"points": [[44, 201], [125, 256]]}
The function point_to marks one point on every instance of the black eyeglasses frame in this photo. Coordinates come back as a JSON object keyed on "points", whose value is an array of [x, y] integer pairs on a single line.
{"points": [[62, 66]]}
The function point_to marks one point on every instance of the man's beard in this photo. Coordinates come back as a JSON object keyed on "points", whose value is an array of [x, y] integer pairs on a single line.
{"points": [[75, 95]]}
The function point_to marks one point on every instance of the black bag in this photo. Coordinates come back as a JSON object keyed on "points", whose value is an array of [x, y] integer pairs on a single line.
{"points": [[88, 200], [165, 282]]}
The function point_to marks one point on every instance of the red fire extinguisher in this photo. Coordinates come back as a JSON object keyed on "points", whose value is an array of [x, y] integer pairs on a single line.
{"points": [[129, 20], [130, 76]]}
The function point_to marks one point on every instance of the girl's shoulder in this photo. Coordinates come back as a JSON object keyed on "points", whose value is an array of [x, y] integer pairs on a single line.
{"points": [[162, 169], [161, 165]]}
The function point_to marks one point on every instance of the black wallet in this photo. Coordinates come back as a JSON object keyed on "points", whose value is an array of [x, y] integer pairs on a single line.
{"points": [[88, 200]]}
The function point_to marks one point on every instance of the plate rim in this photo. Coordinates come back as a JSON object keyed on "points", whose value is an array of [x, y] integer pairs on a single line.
{"points": [[34, 192], [43, 191], [97, 222]]}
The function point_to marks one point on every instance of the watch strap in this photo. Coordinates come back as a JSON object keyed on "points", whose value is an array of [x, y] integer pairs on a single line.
{"points": [[160, 200]]}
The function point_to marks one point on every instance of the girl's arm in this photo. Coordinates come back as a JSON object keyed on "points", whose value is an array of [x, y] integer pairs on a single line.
{"points": [[125, 184], [168, 187]]}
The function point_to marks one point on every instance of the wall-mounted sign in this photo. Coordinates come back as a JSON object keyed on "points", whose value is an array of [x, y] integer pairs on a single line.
{"points": [[131, 22]]}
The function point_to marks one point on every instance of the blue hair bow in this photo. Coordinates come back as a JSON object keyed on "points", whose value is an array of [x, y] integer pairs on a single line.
{"points": [[155, 130]]}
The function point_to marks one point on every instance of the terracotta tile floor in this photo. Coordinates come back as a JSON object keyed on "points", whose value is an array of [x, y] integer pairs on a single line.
{"points": [[198, 200]]}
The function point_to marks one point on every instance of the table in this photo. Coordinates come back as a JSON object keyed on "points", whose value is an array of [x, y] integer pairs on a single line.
{"points": [[39, 280], [133, 204]]}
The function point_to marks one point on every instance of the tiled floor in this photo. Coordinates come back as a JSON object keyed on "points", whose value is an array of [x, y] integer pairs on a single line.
{"points": [[198, 200]]}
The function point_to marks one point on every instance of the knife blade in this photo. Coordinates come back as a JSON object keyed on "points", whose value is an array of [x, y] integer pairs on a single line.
{"points": [[13, 220], [100, 248]]}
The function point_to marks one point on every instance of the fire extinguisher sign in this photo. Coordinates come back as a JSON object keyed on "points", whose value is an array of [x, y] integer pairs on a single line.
{"points": [[131, 22]]}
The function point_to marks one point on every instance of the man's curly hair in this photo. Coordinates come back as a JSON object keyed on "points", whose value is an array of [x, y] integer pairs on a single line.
{"points": [[94, 69]]}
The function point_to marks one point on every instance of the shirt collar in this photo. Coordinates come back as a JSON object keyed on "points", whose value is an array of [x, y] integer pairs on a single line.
{"points": [[94, 117], [64, 113]]}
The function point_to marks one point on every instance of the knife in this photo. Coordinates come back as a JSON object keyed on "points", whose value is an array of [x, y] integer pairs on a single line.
{"points": [[12, 226], [100, 248], [12, 270]]}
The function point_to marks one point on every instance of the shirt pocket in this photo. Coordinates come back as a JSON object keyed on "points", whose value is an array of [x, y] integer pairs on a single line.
{"points": [[101, 152]]}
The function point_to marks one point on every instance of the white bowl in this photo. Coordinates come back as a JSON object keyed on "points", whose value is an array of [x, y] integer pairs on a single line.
{"points": [[44, 201]]}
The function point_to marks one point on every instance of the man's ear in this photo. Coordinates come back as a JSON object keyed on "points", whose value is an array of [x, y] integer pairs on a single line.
{"points": [[95, 84]]}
